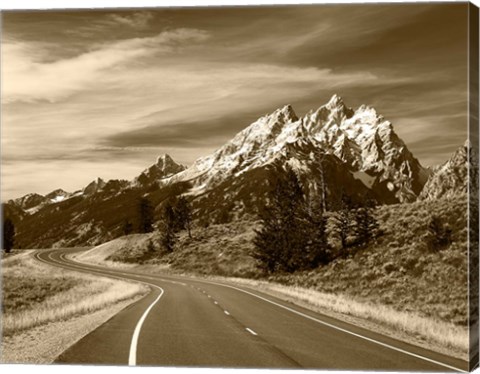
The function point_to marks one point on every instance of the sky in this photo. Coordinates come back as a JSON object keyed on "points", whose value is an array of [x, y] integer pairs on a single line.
{"points": [[102, 93]]}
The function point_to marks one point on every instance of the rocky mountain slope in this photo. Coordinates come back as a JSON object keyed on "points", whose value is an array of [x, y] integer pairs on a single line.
{"points": [[335, 151], [449, 179]]}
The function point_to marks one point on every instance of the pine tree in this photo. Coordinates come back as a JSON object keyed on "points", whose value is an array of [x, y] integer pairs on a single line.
{"points": [[267, 245], [438, 235], [127, 227], [145, 215], [281, 242], [339, 226], [316, 251], [168, 226], [183, 212], [8, 235], [366, 226], [323, 188]]}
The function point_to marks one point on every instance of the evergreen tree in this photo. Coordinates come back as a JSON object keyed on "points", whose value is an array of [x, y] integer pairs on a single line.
{"points": [[8, 235], [438, 235], [168, 227], [285, 241], [316, 251], [339, 227], [145, 215], [323, 188], [267, 243], [127, 227], [366, 226], [183, 212]]}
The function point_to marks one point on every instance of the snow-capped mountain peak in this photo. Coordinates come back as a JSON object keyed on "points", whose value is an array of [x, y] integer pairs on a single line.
{"points": [[334, 112], [282, 115], [167, 166], [163, 168], [335, 101], [361, 138], [58, 195]]}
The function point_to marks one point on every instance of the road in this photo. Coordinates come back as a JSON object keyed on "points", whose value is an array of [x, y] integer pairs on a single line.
{"points": [[194, 322]]}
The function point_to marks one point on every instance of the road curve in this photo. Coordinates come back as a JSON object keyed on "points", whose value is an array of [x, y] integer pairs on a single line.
{"points": [[194, 322]]}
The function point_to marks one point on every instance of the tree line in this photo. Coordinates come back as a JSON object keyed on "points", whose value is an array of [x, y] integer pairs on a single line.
{"points": [[176, 215], [298, 234]]}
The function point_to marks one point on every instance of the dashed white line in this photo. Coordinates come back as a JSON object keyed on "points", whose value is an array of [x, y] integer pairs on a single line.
{"points": [[251, 331], [226, 312], [339, 328], [216, 303]]}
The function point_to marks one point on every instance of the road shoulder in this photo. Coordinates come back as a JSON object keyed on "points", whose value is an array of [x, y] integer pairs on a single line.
{"points": [[42, 344]]}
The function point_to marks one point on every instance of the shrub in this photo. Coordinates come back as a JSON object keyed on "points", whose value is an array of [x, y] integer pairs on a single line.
{"points": [[438, 235]]}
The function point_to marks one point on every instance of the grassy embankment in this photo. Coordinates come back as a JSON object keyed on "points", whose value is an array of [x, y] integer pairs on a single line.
{"points": [[396, 283], [35, 294]]}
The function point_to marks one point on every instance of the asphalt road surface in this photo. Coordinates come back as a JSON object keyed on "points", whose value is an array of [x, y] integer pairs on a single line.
{"points": [[190, 322]]}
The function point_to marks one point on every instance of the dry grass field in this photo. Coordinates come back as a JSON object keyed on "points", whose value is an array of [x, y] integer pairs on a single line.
{"points": [[430, 333], [35, 294]]}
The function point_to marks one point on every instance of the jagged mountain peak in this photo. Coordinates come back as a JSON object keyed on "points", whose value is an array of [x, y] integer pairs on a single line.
{"points": [[58, 195], [57, 192], [164, 167], [164, 159], [94, 186], [284, 114], [460, 156], [167, 165], [335, 101], [334, 112]]}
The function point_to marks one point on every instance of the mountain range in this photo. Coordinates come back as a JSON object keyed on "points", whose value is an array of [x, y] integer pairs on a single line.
{"points": [[335, 150]]}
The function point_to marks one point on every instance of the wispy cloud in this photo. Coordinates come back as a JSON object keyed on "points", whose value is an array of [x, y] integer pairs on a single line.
{"points": [[136, 20], [26, 78], [112, 24]]}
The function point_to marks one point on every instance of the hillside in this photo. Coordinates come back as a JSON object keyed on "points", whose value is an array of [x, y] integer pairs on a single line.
{"points": [[398, 270]]}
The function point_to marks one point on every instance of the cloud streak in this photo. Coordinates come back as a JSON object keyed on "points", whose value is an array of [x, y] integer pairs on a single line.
{"points": [[138, 20], [27, 79]]}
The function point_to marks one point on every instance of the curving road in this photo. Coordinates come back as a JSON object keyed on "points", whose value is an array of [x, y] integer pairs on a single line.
{"points": [[194, 322]]}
